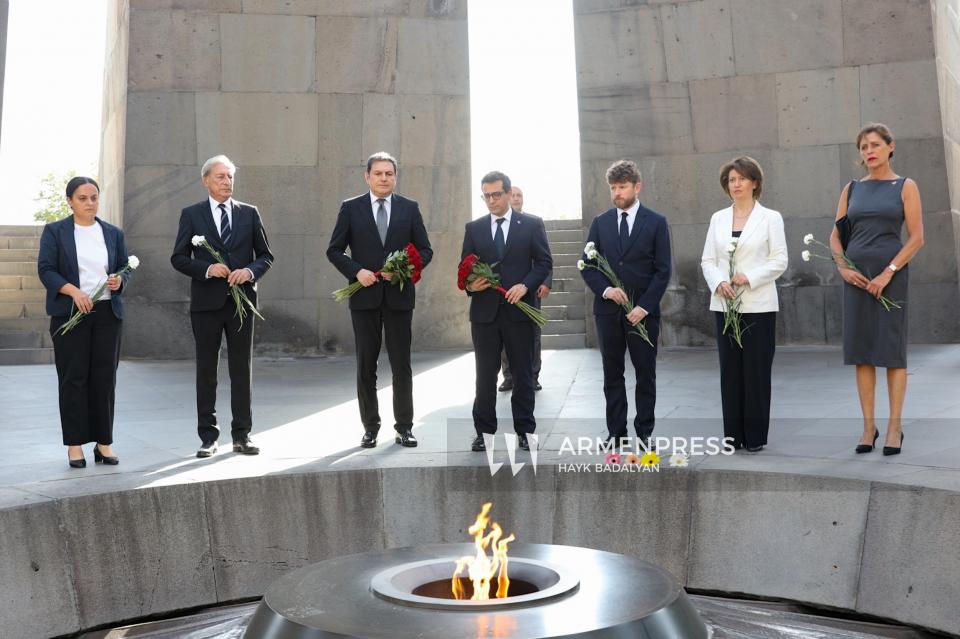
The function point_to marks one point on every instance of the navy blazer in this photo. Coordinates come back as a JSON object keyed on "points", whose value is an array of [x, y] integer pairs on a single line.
{"points": [[526, 260], [57, 264], [248, 249], [356, 229], [644, 266]]}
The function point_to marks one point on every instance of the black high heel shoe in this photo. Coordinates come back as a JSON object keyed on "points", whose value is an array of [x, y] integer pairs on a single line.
{"points": [[894, 450], [100, 458], [77, 463], [868, 448]]}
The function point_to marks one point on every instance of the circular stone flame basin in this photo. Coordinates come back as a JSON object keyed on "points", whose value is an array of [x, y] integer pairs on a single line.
{"points": [[426, 584], [555, 591]]}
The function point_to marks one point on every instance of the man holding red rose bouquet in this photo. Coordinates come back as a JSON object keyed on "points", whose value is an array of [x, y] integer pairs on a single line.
{"points": [[517, 250], [384, 232]]}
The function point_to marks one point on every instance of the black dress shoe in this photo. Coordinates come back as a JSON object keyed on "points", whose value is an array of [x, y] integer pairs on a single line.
{"points": [[245, 447], [507, 385], [207, 449], [100, 458], [537, 386], [754, 449], [612, 441], [369, 439], [868, 448], [893, 450], [77, 463], [405, 438], [524, 444], [478, 445]]}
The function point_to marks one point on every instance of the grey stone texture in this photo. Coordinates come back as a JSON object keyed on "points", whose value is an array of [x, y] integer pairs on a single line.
{"points": [[297, 94], [790, 86], [4, 8]]}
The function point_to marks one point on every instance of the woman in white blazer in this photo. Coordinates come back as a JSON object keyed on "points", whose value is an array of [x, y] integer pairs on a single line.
{"points": [[759, 258]]}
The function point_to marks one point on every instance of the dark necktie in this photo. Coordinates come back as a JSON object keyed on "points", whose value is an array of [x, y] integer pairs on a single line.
{"points": [[382, 220], [624, 232], [498, 241], [224, 225]]}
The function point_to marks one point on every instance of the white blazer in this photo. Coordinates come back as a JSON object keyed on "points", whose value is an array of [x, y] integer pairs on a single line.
{"points": [[761, 255]]}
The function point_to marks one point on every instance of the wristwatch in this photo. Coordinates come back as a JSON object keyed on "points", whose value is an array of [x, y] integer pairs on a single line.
{"points": [[893, 267]]}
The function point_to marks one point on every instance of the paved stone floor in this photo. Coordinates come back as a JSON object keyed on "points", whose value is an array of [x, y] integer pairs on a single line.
{"points": [[306, 418]]}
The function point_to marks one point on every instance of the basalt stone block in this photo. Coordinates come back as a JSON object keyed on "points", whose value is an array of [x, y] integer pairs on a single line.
{"points": [[820, 519], [419, 68], [286, 65], [734, 113], [784, 36], [434, 130], [161, 129], [329, 7], [158, 330], [913, 110], [818, 107], [620, 48], [173, 50], [803, 182], [263, 129], [341, 129], [356, 55], [123, 571], [886, 31], [153, 198], [698, 40]]}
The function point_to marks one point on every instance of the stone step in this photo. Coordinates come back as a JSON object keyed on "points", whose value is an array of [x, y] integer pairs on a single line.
{"points": [[559, 259], [23, 295], [575, 235], [14, 310], [18, 268], [560, 285], [17, 242], [566, 248], [563, 312], [19, 356], [566, 273], [562, 225], [560, 342], [32, 324], [565, 327], [18, 255], [26, 230], [568, 298], [16, 282], [25, 339]]}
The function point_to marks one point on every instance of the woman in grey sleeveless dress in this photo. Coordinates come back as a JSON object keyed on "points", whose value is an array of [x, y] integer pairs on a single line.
{"points": [[877, 207]]}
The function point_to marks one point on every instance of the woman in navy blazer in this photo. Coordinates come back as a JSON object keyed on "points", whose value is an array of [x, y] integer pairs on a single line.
{"points": [[759, 258], [77, 254]]}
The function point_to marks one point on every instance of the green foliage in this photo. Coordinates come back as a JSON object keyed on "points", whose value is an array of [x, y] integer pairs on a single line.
{"points": [[53, 202]]}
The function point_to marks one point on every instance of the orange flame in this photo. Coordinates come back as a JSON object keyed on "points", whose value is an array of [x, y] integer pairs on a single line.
{"points": [[480, 569]]}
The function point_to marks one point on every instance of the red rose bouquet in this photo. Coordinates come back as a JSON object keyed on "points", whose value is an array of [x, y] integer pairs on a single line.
{"points": [[471, 268], [403, 266]]}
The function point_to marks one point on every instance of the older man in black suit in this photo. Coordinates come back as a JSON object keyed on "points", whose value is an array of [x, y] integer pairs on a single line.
{"points": [[517, 247], [372, 226], [236, 231]]}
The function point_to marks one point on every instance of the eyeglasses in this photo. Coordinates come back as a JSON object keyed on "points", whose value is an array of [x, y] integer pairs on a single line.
{"points": [[494, 195]]}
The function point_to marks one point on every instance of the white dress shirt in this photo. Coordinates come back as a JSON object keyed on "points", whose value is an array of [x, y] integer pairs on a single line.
{"points": [[505, 225], [376, 205], [215, 211]]}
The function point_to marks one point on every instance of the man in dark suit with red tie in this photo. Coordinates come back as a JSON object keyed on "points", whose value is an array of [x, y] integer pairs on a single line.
{"points": [[372, 226], [234, 230], [517, 248], [636, 242]]}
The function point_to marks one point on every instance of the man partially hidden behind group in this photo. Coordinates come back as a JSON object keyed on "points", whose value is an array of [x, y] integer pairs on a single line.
{"points": [[516, 245], [516, 205], [636, 242], [372, 226], [234, 229]]}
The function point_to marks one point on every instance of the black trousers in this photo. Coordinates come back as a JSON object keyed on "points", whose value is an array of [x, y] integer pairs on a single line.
{"points": [[209, 327], [613, 334], [369, 329], [86, 359], [505, 363], [745, 378], [516, 339]]}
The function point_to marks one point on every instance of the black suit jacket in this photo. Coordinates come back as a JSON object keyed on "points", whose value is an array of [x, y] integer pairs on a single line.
{"points": [[644, 266], [248, 249], [356, 229], [526, 260], [57, 264]]}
